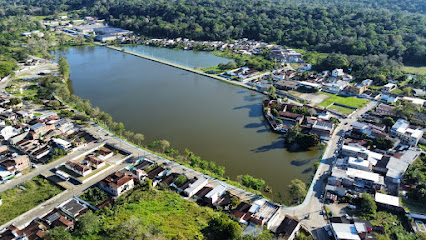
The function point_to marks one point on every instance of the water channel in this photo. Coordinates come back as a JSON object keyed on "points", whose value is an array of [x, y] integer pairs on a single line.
{"points": [[217, 121]]}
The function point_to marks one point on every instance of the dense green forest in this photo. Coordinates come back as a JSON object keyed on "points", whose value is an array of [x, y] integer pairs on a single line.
{"points": [[362, 28]]}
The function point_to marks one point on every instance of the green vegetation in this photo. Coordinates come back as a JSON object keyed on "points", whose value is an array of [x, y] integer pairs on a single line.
{"points": [[381, 143], [420, 70], [349, 101], [368, 206], [94, 196], [342, 110], [303, 141], [252, 182], [361, 28], [64, 67], [297, 190], [415, 176], [18, 200], [155, 214], [394, 226]]}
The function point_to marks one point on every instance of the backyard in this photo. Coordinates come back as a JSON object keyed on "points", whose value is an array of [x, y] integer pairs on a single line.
{"points": [[22, 198]]}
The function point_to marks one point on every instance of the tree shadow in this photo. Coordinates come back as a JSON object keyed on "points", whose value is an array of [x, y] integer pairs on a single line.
{"points": [[254, 110], [254, 125], [275, 145], [299, 163], [308, 170]]}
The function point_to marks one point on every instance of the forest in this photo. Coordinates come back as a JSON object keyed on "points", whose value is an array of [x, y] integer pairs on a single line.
{"points": [[361, 28]]}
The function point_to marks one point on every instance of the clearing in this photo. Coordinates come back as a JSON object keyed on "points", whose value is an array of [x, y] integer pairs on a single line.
{"points": [[24, 197], [350, 101]]}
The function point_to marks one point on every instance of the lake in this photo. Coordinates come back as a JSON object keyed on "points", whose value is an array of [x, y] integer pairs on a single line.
{"points": [[217, 121], [199, 59]]}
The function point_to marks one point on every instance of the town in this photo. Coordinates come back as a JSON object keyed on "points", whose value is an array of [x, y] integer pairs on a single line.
{"points": [[373, 136]]}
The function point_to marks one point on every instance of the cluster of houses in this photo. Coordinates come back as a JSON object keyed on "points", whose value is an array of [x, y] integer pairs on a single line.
{"points": [[200, 189], [242, 46], [282, 116], [27, 138], [92, 161], [240, 74], [360, 167]]}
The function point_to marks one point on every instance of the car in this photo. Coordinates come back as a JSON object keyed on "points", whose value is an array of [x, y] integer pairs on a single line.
{"points": [[327, 227]]}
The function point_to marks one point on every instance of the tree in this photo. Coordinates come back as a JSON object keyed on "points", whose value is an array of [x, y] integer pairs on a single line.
{"points": [[88, 224], [130, 229], [383, 143], [307, 140], [368, 206], [291, 135], [58, 233], [163, 144], [388, 121], [139, 138], [15, 101], [297, 189], [407, 91], [223, 228], [64, 67]]}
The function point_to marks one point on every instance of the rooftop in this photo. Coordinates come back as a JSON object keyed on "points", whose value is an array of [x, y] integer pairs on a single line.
{"points": [[387, 199]]}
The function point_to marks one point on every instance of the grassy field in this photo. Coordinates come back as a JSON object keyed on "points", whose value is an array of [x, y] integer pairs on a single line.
{"points": [[413, 206], [171, 214], [421, 70], [212, 68], [350, 101], [18, 200], [343, 110]]}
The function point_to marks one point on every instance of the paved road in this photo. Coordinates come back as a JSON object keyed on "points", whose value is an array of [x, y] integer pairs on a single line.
{"points": [[313, 204]]}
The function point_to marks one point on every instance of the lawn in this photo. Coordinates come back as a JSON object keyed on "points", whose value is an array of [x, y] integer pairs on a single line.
{"points": [[343, 110], [413, 206], [163, 210], [420, 70], [350, 101], [18, 200], [213, 68]]}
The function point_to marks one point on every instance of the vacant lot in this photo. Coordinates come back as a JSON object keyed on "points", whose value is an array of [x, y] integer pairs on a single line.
{"points": [[343, 110], [414, 70], [350, 101], [22, 198]]}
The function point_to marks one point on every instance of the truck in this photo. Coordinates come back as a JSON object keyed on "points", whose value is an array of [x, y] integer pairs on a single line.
{"points": [[62, 175]]}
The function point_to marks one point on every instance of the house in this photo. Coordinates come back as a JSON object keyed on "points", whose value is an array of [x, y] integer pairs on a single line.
{"points": [[65, 126], [323, 129], [358, 89], [214, 194], [105, 38], [56, 219], [78, 168], [241, 213], [48, 116], [367, 82], [8, 131], [390, 98], [335, 86], [104, 153], [292, 117], [337, 72], [416, 101], [94, 161], [384, 109], [309, 85], [61, 143], [117, 183], [288, 228], [286, 85], [402, 130], [388, 201], [389, 87], [359, 163], [266, 214], [157, 173], [305, 67], [195, 186], [345, 231], [73, 208], [24, 114], [15, 164]]}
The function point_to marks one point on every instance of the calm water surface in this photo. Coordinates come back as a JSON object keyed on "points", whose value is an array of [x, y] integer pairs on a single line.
{"points": [[218, 121], [192, 59]]}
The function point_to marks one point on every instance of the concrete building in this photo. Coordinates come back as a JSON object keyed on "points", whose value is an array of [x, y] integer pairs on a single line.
{"points": [[195, 186], [389, 87], [117, 183], [214, 194], [337, 72], [402, 130]]}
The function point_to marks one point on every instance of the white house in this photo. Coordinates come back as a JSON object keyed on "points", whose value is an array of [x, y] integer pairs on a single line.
{"points": [[402, 130], [196, 186], [214, 194], [389, 87], [117, 183], [8, 131], [337, 72]]}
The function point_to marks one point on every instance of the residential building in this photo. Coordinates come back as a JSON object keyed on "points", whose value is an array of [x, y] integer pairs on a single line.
{"points": [[390, 98], [288, 228], [78, 168], [359, 163], [416, 101], [117, 183], [196, 186], [286, 85], [402, 130], [56, 219], [214, 194], [389, 87], [15, 164], [387, 201], [323, 129], [73, 208], [8, 131], [94, 161], [292, 117], [104, 153], [384, 109], [337, 72], [344, 231]]}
